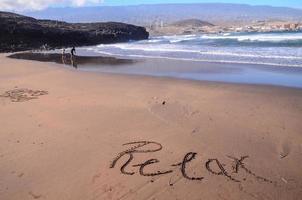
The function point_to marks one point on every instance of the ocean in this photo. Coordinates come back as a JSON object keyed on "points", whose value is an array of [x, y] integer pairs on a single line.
{"points": [[248, 58], [279, 49]]}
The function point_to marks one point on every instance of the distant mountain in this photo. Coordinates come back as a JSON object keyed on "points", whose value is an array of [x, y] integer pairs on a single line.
{"points": [[19, 33], [192, 22], [216, 13]]}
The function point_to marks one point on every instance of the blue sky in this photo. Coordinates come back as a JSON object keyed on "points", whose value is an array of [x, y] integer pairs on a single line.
{"points": [[42, 4], [288, 3]]}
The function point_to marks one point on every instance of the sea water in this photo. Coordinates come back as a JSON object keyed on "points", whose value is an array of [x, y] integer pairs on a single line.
{"points": [[257, 58], [280, 49]]}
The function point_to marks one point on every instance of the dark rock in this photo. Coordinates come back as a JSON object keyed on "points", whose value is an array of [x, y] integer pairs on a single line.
{"points": [[18, 33]]}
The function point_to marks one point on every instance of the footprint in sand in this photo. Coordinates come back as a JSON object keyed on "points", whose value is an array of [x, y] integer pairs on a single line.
{"points": [[35, 196]]}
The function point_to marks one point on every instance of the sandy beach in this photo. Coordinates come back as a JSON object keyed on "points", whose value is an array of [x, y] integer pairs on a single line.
{"points": [[68, 134]]}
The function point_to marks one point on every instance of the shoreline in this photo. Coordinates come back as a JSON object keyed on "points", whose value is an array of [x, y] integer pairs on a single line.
{"points": [[62, 131], [236, 73]]}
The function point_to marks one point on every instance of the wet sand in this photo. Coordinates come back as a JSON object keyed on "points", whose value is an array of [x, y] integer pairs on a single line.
{"points": [[68, 59], [62, 133], [181, 69]]}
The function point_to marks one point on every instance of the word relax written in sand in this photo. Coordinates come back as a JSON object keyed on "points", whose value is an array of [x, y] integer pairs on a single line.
{"points": [[213, 165]]}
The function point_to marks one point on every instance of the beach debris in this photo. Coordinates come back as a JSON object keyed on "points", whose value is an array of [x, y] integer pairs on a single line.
{"points": [[283, 155], [23, 94], [285, 151], [284, 180], [164, 103], [170, 182]]}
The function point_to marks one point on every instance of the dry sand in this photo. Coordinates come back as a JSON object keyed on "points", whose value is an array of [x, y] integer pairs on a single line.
{"points": [[62, 130]]}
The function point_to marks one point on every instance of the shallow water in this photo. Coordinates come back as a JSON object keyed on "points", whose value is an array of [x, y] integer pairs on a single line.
{"points": [[209, 71]]}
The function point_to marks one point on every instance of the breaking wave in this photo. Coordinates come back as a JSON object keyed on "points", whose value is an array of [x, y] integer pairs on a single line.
{"points": [[280, 49]]}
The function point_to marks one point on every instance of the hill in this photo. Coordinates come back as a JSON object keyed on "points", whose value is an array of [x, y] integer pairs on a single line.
{"points": [[192, 22], [216, 13]]}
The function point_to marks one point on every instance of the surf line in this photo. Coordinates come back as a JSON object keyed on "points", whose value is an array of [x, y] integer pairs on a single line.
{"points": [[212, 165]]}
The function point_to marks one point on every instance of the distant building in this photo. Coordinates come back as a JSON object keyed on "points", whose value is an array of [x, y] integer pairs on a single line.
{"points": [[293, 26]]}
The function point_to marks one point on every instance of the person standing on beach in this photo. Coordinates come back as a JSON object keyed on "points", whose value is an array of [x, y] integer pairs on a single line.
{"points": [[63, 56], [73, 51], [73, 58]]}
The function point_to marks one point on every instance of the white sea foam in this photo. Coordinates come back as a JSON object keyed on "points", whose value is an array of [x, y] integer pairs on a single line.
{"points": [[200, 60], [145, 47], [221, 53], [264, 37], [258, 37], [214, 48]]}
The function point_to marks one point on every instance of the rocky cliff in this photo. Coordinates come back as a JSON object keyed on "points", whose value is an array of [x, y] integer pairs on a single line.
{"points": [[19, 33]]}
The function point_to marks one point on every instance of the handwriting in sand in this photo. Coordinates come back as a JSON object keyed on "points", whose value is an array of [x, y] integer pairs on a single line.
{"points": [[212, 165]]}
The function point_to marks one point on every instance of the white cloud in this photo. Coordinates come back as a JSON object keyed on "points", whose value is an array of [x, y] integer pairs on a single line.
{"points": [[21, 5]]}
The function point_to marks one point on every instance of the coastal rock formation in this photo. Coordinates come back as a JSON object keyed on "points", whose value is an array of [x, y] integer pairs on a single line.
{"points": [[19, 33]]}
